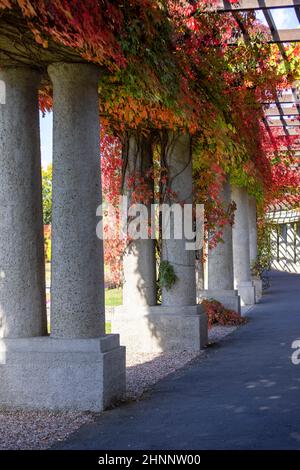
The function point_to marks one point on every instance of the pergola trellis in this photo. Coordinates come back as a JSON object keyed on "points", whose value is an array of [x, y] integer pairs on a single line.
{"points": [[282, 114]]}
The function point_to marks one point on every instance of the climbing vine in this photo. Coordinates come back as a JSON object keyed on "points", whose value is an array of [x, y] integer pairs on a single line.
{"points": [[179, 65]]}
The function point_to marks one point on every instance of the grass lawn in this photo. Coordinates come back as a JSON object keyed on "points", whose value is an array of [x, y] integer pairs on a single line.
{"points": [[113, 297], [108, 327]]}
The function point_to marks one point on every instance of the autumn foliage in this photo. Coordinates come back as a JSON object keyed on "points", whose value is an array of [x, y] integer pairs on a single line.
{"points": [[217, 314], [179, 64]]}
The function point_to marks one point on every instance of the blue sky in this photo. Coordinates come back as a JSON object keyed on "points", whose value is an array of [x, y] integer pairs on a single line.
{"points": [[284, 18], [46, 138]]}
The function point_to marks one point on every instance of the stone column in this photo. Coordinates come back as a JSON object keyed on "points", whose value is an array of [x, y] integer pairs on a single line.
{"points": [[22, 269], [75, 368], [179, 324], [241, 249], [77, 285], [253, 244], [179, 302], [179, 163], [220, 264], [139, 262]]}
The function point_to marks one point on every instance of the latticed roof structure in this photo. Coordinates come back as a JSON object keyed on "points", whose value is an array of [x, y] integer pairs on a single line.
{"points": [[281, 115]]}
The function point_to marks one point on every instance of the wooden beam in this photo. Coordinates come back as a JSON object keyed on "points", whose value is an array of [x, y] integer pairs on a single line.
{"points": [[283, 122], [244, 5], [293, 98], [280, 111], [285, 35], [282, 131], [275, 36], [286, 149], [297, 10]]}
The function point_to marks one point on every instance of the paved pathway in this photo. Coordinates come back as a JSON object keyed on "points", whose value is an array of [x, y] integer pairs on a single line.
{"points": [[244, 395]]}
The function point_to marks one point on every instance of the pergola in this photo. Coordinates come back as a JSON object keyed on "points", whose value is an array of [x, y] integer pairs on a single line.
{"points": [[281, 115], [77, 365]]}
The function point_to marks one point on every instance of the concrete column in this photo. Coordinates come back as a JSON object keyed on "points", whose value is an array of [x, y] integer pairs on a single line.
{"points": [[241, 249], [220, 258], [252, 217], [139, 262], [77, 308], [252, 229], [22, 271], [179, 324], [179, 163], [75, 368], [220, 263]]}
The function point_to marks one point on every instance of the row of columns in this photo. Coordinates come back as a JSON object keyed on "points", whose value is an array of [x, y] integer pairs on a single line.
{"points": [[77, 366], [77, 304], [178, 323], [139, 262], [77, 297], [229, 276]]}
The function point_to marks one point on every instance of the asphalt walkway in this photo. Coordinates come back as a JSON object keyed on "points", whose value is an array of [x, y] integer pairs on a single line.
{"points": [[244, 395]]}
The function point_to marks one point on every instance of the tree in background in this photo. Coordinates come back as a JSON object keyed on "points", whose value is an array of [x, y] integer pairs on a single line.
{"points": [[47, 209], [47, 194]]}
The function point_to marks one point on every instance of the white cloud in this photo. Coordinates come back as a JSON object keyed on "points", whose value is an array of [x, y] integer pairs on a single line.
{"points": [[285, 18]]}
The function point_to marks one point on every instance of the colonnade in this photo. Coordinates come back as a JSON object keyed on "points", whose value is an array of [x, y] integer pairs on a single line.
{"points": [[76, 365], [220, 274], [178, 322]]}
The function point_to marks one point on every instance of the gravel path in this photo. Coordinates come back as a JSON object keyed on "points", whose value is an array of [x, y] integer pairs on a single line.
{"points": [[41, 429], [145, 369], [29, 430]]}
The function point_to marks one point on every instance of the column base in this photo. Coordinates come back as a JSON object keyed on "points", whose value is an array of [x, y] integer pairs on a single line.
{"points": [[258, 288], [158, 328], [246, 291], [61, 374], [229, 298]]}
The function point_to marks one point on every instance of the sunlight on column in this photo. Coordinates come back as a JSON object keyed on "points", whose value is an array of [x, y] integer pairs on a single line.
{"points": [[2, 92]]}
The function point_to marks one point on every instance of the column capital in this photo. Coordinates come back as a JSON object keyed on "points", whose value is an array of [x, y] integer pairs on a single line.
{"points": [[24, 74], [74, 72]]}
